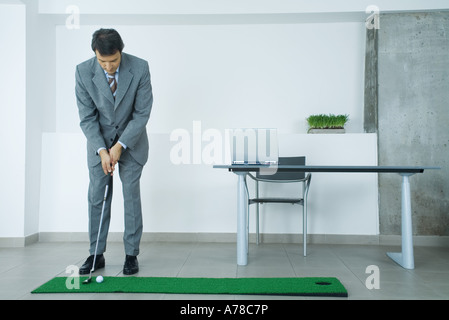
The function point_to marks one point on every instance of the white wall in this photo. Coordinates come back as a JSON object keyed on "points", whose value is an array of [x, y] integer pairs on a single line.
{"points": [[13, 115], [223, 76], [40, 105], [272, 75]]}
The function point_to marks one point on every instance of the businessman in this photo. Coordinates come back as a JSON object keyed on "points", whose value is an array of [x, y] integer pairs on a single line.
{"points": [[114, 98]]}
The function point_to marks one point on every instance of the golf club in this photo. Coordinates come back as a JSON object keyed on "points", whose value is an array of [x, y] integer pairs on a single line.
{"points": [[88, 280]]}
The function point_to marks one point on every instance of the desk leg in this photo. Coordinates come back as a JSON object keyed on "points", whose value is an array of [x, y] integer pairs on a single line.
{"points": [[405, 258], [242, 207]]}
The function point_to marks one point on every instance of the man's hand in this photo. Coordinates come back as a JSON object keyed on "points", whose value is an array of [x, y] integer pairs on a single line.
{"points": [[115, 152], [106, 162]]}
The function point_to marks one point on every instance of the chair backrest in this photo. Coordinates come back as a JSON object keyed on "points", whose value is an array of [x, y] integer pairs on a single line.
{"points": [[280, 176]]}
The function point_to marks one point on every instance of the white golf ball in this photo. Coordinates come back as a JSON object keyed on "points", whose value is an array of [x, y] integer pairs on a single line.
{"points": [[99, 279]]}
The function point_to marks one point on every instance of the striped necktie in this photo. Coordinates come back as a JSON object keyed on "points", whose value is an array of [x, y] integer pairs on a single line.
{"points": [[112, 83]]}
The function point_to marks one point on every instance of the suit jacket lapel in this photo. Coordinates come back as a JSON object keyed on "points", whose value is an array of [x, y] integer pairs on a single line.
{"points": [[100, 81], [124, 80]]}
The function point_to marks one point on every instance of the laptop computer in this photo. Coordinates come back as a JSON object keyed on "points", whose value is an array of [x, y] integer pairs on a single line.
{"points": [[254, 146]]}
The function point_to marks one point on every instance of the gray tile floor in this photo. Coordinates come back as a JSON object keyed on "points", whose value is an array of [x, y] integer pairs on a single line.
{"points": [[24, 269]]}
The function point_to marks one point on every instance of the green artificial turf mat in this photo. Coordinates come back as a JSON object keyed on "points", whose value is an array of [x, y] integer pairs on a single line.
{"points": [[313, 286]]}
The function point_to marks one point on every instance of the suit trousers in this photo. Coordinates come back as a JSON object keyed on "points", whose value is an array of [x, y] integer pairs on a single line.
{"points": [[130, 172]]}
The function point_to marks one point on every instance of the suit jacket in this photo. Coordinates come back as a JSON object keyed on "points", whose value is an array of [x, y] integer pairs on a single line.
{"points": [[102, 118]]}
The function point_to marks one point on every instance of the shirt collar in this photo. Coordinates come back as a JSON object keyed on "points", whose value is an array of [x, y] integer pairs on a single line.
{"points": [[116, 72]]}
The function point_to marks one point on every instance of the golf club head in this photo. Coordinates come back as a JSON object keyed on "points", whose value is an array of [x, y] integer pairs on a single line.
{"points": [[88, 280]]}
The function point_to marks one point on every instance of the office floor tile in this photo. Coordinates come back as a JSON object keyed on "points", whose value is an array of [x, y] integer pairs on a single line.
{"points": [[24, 269]]}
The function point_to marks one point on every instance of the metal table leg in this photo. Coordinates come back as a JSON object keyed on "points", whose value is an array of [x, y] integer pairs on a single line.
{"points": [[242, 207], [405, 258]]}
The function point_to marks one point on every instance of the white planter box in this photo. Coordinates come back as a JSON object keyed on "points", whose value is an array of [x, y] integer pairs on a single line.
{"points": [[314, 131]]}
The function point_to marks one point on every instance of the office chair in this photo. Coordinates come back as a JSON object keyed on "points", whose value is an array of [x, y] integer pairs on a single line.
{"points": [[283, 177]]}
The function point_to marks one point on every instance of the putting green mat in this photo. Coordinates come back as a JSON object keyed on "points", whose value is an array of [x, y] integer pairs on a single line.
{"points": [[313, 286]]}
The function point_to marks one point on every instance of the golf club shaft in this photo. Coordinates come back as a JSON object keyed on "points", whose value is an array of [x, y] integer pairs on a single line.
{"points": [[102, 211], [101, 221]]}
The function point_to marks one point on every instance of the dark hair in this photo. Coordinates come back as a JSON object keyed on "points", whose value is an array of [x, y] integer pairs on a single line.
{"points": [[107, 42]]}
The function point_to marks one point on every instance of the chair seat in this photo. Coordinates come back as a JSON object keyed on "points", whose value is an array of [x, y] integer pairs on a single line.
{"points": [[276, 200]]}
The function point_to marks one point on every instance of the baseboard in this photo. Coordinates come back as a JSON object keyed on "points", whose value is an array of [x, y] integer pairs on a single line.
{"points": [[18, 242], [421, 241], [431, 241]]}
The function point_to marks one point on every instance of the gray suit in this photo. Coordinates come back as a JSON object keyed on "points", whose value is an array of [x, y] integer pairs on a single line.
{"points": [[102, 119]]}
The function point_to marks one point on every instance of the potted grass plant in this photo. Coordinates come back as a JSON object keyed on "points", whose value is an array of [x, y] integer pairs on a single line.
{"points": [[327, 123]]}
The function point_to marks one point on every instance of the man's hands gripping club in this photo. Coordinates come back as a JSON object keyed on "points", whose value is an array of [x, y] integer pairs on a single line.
{"points": [[111, 158]]}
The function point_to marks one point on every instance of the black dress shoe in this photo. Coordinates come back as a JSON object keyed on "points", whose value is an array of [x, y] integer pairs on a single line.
{"points": [[131, 265], [87, 266]]}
